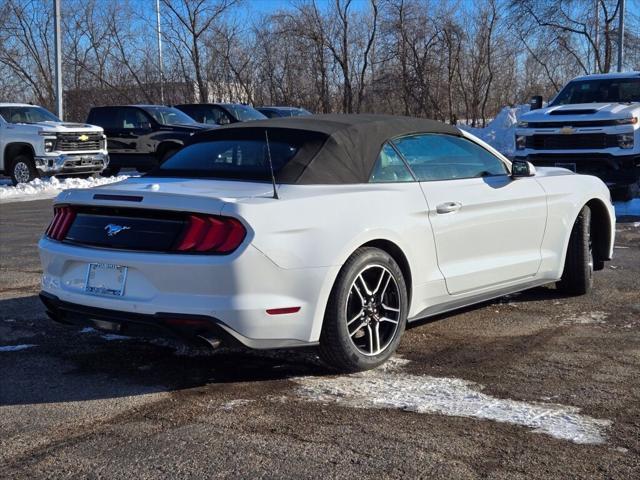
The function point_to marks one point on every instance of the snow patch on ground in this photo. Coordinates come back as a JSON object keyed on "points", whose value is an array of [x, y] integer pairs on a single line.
{"points": [[230, 405], [586, 318], [500, 132], [50, 187], [386, 388], [15, 348]]}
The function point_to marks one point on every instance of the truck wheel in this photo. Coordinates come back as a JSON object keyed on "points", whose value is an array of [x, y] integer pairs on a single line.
{"points": [[23, 170], [577, 277], [366, 314]]}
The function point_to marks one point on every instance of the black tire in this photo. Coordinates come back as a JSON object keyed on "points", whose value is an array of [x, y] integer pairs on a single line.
{"points": [[23, 169], [110, 171], [577, 276], [354, 348]]}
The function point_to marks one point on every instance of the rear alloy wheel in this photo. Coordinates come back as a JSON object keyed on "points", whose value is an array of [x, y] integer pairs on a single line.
{"points": [[366, 314], [23, 170], [577, 276]]}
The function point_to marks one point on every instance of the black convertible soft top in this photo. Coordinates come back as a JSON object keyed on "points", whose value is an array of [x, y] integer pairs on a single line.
{"points": [[341, 149]]}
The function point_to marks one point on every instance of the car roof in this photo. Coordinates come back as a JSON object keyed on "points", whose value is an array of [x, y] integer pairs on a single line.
{"points": [[138, 105], [3, 104], [349, 148], [609, 76], [275, 107]]}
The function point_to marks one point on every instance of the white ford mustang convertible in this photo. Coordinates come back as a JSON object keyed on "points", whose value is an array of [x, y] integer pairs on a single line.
{"points": [[333, 231]]}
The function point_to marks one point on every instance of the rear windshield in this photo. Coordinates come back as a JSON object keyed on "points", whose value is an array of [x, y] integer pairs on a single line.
{"points": [[242, 158]]}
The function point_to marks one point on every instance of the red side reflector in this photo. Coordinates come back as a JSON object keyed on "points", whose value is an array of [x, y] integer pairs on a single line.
{"points": [[283, 311]]}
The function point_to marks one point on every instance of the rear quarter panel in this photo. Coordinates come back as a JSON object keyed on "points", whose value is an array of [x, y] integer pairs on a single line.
{"points": [[321, 226]]}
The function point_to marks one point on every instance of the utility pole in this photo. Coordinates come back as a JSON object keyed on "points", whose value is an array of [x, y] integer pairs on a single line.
{"points": [[620, 35], [596, 52], [58, 59], [160, 66]]}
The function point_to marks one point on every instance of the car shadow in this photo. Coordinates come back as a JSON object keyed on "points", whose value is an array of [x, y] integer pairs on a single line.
{"points": [[65, 363], [537, 294]]}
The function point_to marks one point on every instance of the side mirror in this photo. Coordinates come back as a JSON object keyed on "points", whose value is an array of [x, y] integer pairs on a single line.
{"points": [[144, 126], [536, 102], [522, 168]]}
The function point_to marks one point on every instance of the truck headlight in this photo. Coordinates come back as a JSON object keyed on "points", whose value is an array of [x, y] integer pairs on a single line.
{"points": [[627, 121], [521, 142], [523, 124], [625, 140], [49, 144]]}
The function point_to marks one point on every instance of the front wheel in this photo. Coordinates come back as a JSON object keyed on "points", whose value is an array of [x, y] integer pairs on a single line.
{"points": [[366, 314], [23, 169], [577, 277]]}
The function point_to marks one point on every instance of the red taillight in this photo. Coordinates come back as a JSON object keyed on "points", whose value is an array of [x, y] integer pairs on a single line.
{"points": [[205, 233], [62, 219]]}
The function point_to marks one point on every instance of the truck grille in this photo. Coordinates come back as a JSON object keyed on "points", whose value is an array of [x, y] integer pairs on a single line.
{"points": [[571, 142], [78, 142]]}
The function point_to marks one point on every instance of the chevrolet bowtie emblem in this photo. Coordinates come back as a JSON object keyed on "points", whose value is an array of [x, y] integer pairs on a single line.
{"points": [[567, 130], [83, 138]]}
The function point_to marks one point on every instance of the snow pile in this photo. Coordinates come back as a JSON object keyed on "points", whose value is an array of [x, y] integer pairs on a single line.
{"points": [[50, 187], [500, 132], [384, 388]]}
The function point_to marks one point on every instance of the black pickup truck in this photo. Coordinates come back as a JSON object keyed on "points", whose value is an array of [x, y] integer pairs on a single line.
{"points": [[143, 136]]}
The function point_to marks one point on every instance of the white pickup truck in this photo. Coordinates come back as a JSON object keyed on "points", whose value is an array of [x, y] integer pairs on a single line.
{"points": [[35, 142], [592, 126]]}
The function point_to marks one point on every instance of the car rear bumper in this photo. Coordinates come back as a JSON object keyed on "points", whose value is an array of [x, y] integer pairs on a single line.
{"points": [[234, 291], [614, 170], [69, 164], [188, 328]]}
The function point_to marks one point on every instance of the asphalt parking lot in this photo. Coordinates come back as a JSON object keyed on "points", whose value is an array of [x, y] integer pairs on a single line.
{"points": [[534, 385]]}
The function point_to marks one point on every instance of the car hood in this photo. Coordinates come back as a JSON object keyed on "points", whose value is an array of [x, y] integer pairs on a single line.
{"points": [[60, 127], [193, 126], [583, 111]]}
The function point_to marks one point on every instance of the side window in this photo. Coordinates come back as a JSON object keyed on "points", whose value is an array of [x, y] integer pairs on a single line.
{"points": [[132, 118], [194, 112], [445, 157], [106, 118], [389, 167]]}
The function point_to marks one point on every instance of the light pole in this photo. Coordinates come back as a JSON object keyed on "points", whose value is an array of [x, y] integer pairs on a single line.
{"points": [[160, 67], [58, 59], [621, 35]]}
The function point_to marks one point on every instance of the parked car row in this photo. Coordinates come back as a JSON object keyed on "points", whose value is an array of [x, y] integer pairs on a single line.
{"points": [[35, 142]]}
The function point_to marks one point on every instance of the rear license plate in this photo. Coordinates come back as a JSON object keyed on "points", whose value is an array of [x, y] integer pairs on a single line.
{"points": [[568, 166], [105, 279]]}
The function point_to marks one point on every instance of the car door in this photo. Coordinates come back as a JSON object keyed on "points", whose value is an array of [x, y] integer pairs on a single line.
{"points": [[488, 227], [130, 137]]}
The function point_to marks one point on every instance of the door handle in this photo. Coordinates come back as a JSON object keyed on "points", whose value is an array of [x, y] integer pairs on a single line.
{"points": [[448, 207]]}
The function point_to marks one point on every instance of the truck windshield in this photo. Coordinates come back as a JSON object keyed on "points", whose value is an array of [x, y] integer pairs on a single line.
{"points": [[612, 90], [169, 116], [27, 115], [245, 113]]}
